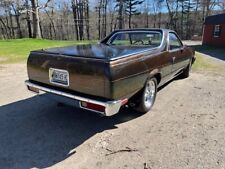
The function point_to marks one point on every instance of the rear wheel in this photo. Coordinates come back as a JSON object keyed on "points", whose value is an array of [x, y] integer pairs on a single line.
{"points": [[186, 71], [147, 96]]}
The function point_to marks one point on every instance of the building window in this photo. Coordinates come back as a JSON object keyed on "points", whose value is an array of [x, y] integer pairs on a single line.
{"points": [[217, 30]]}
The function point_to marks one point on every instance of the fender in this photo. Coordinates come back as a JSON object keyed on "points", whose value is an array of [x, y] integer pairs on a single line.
{"points": [[157, 74]]}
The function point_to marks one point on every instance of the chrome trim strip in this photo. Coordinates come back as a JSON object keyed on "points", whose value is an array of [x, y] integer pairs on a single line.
{"points": [[144, 51], [111, 107], [131, 31]]}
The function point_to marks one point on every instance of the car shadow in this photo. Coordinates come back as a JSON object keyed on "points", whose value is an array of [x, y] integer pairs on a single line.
{"points": [[36, 133], [218, 53]]}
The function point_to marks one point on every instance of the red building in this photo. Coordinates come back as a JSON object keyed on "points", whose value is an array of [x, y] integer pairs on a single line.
{"points": [[214, 31]]}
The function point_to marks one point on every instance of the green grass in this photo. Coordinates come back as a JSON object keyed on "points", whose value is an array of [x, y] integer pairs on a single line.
{"points": [[17, 50], [204, 64]]}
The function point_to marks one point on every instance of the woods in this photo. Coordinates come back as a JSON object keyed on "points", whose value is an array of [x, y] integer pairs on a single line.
{"points": [[94, 19]]}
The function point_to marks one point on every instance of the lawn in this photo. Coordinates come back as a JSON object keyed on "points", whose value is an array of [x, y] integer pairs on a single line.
{"points": [[17, 50], [203, 63], [14, 51]]}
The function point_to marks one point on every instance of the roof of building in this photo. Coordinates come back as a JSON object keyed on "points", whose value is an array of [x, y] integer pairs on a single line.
{"points": [[215, 19]]}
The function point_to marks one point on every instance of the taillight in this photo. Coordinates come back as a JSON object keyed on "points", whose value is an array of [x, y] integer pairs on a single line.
{"points": [[92, 106], [33, 89], [124, 102]]}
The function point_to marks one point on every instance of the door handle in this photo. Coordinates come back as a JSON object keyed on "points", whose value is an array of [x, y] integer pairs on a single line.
{"points": [[174, 59]]}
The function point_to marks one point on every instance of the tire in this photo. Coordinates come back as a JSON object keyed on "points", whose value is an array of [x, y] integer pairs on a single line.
{"points": [[147, 96], [186, 71]]}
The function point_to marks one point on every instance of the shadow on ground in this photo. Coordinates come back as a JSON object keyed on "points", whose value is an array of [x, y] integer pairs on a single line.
{"points": [[36, 133], [218, 53]]}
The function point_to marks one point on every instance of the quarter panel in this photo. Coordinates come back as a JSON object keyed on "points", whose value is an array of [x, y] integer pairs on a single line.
{"points": [[126, 76]]}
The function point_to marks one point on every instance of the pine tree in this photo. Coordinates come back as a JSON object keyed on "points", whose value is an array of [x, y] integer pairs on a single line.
{"points": [[131, 9]]}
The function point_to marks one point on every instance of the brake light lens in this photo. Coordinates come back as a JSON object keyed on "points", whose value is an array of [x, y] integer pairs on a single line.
{"points": [[33, 89], [124, 102], [92, 106]]}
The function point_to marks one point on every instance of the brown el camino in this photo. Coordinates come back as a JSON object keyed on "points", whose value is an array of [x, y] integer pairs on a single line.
{"points": [[125, 68]]}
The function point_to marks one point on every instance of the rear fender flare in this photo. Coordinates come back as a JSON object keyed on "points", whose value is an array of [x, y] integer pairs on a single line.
{"points": [[155, 73]]}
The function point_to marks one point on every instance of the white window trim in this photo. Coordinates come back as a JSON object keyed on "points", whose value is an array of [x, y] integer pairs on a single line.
{"points": [[216, 29]]}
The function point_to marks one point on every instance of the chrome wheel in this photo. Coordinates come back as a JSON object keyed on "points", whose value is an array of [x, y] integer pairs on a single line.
{"points": [[149, 93], [146, 98]]}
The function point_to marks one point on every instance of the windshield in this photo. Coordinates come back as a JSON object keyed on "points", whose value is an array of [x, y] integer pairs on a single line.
{"points": [[136, 38]]}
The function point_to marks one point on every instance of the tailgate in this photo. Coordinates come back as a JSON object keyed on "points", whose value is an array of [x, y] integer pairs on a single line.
{"points": [[85, 75]]}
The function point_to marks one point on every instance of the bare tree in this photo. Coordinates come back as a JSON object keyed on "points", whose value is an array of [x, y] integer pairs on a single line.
{"points": [[222, 5], [121, 5], [16, 8], [80, 19], [36, 19], [28, 18]]}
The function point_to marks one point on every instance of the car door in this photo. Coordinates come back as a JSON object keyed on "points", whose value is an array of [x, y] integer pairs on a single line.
{"points": [[176, 51]]}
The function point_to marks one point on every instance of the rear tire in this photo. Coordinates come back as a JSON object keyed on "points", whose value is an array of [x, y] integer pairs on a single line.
{"points": [[147, 96], [186, 71]]}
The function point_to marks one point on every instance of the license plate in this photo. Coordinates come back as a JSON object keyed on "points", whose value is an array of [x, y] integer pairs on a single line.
{"points": [[59, 77]]}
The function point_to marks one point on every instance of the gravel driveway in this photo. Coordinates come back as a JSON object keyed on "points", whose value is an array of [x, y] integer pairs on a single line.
{"points": [[185, 129]]}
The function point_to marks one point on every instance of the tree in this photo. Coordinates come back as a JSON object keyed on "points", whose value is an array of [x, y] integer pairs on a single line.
{"points": [[222, 5], [36, 19], [16, 8], [54, 19], [87, 18], [101, 10], [172, 7], [131, 9], [81, 17], [28, 18], [120, 4]]}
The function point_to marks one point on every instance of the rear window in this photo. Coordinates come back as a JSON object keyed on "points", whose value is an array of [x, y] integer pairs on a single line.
{"points": [[136, 38]]}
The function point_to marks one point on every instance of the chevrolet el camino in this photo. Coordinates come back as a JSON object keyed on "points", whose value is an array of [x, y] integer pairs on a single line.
{"points": [[125, 68]]}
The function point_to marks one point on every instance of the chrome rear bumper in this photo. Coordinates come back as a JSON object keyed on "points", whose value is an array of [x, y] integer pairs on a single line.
{"points": [[111, 107]]}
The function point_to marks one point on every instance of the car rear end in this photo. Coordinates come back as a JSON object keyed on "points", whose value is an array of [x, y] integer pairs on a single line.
{"points": [[81, 79]]}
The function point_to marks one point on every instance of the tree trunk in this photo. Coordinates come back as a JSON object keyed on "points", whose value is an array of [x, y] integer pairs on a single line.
{"points": [[182, 19], [36, 19], [159, 21], [129, 14], [8, 28], [120, 17], [52, 23], [99, 18], [18, 26], [75, 17], [104, 27], [87, 19], [81, 21], [17, 16], [5, 27], [11, 25], [29, 29]]}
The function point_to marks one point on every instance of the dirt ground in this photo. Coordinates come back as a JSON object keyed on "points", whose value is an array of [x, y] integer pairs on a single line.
{"points": [[185, 129]]}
